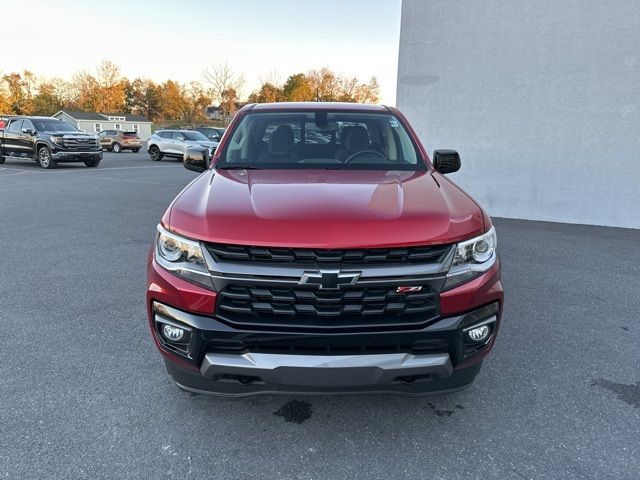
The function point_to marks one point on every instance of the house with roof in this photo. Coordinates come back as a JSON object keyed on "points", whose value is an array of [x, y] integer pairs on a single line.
{"points": [[94, 122], [215, 113]]}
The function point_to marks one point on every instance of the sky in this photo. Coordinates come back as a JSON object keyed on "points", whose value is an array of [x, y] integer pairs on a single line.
{"points": [[161, 39]]}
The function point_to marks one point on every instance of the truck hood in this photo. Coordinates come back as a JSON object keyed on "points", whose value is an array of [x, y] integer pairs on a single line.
{"points": [[70, 134], [324, 209]]}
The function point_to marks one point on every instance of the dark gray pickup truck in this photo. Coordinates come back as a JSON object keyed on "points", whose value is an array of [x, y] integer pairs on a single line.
{"points": [[48, 141]]}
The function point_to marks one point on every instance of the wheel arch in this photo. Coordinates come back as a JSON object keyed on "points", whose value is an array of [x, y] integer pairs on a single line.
{"points": [[39, 145], [42, 143]]}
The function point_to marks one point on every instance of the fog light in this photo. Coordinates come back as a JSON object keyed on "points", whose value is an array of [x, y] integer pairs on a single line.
{"points": [[479, 334], [171, 333]]}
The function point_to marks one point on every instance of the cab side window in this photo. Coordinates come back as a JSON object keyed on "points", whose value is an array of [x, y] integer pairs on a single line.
{"points": [[15, 126]]}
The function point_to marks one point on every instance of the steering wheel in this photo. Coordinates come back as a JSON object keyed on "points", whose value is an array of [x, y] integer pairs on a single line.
{"points": [[363, 152]]}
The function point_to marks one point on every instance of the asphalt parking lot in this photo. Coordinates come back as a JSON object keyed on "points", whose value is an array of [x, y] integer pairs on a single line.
{"points": [[85, 395]]}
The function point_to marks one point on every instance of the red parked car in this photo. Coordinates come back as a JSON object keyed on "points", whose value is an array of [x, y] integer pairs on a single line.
{"points": [[322, 251]]}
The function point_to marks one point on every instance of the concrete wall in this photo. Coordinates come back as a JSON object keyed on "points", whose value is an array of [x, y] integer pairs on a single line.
{"points": [[541, 99]]}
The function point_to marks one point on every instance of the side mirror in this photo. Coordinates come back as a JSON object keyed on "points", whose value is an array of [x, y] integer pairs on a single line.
{"points": [[29, 131], [196, 159], [446, 161]]}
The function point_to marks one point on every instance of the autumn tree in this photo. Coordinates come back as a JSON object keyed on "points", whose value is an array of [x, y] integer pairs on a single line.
{"points": [[132, 96], [171, 99], [107, 90], [267, 93], [20, 89], [321, 85], [52, 97], [5, 105], [367, 92], [194, 102], [111, 88], [325, 85], [228, 104], [144, 97], [298, 88], [86, 91]]}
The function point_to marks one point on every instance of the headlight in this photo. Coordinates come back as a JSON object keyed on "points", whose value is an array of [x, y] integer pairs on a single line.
{"points": [[473, 258], [57, 139], [182, 256]]}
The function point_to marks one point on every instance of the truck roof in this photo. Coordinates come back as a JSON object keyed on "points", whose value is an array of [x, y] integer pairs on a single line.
{"points": [[33, 117], [361, 107]]}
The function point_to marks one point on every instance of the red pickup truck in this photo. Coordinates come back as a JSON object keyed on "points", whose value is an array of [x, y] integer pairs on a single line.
{"points": [[321, 251]]}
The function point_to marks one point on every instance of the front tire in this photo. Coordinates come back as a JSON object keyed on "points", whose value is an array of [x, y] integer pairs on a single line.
{"points": [[116, 148], [44, 158], [135, 150], [154, 153], [92, 163]]}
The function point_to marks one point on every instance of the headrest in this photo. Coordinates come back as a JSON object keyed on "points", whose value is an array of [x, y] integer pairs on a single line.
{"points": [[281, 140], [355, 138]]}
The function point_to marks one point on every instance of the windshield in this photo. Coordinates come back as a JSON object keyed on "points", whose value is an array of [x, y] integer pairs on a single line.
{"points": [[54, 126], [195, 136], [320, 139]]}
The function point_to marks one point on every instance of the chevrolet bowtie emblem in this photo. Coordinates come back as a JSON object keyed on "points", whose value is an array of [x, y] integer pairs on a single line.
{"points": [[329, 279]]}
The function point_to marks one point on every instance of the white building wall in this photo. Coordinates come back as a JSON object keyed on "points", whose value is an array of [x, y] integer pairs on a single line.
{"points": [[540, 97], [144, 128], [87, 125]]}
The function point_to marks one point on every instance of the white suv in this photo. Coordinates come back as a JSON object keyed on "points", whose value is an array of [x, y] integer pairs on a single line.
{"points": [[173, 143]]}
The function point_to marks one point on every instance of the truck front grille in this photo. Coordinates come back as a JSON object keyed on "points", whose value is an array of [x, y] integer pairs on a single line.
{"points": [[303, 256], [300, 307], [80, 143]]}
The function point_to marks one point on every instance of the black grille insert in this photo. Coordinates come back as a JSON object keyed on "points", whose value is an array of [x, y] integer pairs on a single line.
{"points": [[301, 307], [273, 255]]}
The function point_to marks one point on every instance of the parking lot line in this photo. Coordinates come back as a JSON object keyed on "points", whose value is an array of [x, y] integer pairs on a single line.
{"points": [[80, 169], [126, 180], [8, 169]]}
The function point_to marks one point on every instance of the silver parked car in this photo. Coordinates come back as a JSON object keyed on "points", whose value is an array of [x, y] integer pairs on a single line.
{"points": [[173, 143]]}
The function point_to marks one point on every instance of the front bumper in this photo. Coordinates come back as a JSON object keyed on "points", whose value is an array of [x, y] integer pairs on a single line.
{"points": [[326, 377], [74, 156], [222, 360]]}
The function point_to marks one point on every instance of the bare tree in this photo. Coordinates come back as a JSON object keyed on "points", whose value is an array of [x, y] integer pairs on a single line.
{"points": [[272, 78], [221, 78]]}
